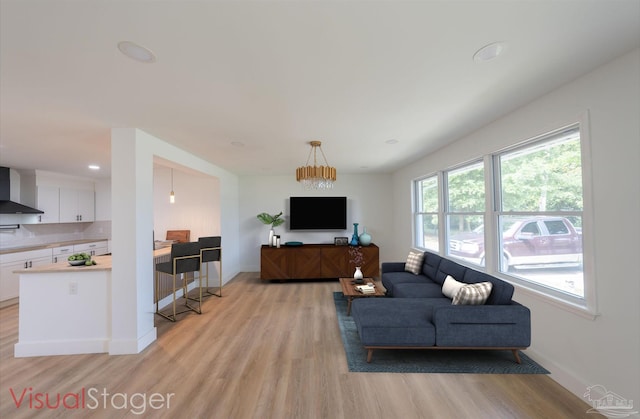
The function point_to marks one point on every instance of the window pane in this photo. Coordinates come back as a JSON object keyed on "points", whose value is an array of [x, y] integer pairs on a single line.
{"points": [[427, 232], [428, 201], [426, 213], [466, 237], [544, 250], [465, 189], [544, 177]]}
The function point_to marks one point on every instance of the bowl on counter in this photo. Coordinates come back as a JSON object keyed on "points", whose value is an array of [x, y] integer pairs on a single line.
{"points": [[77, 262]]}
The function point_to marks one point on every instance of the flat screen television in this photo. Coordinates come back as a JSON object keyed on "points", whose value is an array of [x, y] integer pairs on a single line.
{"points": [[317, 213]]}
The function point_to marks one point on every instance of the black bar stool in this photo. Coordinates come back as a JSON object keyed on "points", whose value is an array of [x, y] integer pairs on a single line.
{"points": [[211, 251], [185, 258]]}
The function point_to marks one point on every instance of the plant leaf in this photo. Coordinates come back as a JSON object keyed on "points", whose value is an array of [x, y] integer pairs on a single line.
{"points": [[265, 218]]}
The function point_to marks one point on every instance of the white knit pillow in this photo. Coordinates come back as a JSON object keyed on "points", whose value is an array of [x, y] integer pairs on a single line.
{"points": [[473, 294], [414, 262], [450, 287]]}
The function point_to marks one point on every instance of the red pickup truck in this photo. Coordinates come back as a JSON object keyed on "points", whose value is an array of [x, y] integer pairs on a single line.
{"points": [[526, 242]]}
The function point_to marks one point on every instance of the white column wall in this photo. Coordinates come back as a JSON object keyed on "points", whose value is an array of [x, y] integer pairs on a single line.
{"points": [[133, 152]]}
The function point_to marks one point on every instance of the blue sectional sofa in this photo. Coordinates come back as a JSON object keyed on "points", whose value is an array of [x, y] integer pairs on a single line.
{"points": [[416, 314]]}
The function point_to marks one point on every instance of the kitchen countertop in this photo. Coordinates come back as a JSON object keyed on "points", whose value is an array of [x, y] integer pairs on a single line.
{"points": [[103, 263], [47, 246]]}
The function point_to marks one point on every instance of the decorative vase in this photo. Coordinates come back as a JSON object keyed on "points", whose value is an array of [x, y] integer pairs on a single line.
{"points": [[354, 238], [365, 238], [357, 275], [271, 236]]}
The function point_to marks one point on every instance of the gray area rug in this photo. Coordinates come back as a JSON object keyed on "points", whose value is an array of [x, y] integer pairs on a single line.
{"points": [[426, 361]]}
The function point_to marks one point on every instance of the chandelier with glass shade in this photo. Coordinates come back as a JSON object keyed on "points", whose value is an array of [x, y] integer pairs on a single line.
{"points": [[316, 177]]}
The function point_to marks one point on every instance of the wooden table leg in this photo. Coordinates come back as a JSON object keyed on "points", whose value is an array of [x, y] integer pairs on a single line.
{"points": [[349, 306]]}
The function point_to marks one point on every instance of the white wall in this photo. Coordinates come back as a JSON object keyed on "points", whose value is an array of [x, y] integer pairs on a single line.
{"points": [[196, 207], [368, 204], [580, 352]]}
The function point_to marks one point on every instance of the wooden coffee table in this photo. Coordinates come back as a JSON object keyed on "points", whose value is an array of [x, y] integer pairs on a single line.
{"points": [[349, 290]]}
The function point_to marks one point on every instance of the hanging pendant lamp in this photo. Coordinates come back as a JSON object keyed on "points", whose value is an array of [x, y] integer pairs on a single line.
{"points": [[316, 177]]}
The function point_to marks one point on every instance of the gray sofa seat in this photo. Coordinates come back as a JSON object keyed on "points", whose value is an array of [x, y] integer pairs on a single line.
{"points": [[416, 314], [383, 322]]}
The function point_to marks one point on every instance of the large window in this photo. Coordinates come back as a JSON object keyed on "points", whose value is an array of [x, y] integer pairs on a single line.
{"points": [[540, 212], [465, 193], [517, 214], [426, 213]]}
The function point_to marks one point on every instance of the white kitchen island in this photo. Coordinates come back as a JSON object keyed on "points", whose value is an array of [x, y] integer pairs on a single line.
{"points": [[65, 310]]}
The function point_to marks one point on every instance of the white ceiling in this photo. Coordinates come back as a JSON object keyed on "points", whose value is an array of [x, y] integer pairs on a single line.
{"points": [[274, 75]]}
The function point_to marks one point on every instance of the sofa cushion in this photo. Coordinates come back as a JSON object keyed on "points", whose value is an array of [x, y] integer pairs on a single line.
{"points": [[473, 294], [430, 264], [449, 267], [394, 322], [391, 279], [414, 262], [502, 291], [424, 289], [450, 287]]}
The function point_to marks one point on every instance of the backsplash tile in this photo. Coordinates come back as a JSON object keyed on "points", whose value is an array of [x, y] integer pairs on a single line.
{"points": [[41, 234]]}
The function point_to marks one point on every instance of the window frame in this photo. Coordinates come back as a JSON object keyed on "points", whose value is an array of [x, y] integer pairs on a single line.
{"points": [[585, 306], [417, 213]]}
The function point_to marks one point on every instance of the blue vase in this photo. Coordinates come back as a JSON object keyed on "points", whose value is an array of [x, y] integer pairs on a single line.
{"points": [[365, 238], [354, 239]]}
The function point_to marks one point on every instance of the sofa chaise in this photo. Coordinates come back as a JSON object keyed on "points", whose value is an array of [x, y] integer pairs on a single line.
{"points": [[434, 303]]}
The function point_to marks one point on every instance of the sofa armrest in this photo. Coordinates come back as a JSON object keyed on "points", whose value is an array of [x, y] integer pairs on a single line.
{"points": [[483, 325], [392, 267]]}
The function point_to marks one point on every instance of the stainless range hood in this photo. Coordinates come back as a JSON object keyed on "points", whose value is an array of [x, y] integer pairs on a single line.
{"points": [[7, 206]]}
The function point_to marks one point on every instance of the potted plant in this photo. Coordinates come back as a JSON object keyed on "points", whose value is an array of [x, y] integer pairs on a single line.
{"points": [[274, 220]]}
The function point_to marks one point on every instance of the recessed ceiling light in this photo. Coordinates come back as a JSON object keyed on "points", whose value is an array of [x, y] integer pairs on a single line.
{"points": [[94, 167], [489, 52], [391, 141], [137, 52]]}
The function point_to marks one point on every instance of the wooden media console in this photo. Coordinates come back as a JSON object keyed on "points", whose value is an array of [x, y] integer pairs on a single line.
{"points": [[315, 261]]}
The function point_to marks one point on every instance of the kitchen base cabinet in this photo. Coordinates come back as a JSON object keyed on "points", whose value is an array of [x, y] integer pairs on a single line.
{"points": [[62, 253], [94, 248], [9, 281]]}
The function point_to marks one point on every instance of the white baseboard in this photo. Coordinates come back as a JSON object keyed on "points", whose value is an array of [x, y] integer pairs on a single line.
{"points": [[60, 347]]}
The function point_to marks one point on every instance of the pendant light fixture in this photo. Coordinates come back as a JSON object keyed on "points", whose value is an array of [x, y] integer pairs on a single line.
{"points": [[172, 196], [316, 177]]}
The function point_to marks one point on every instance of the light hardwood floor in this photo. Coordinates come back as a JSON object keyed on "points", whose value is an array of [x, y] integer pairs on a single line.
{"points": [[263, 350]]}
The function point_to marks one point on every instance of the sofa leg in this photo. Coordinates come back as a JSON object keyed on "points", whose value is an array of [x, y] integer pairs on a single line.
{"points": [[517, 356], [369, 355]]}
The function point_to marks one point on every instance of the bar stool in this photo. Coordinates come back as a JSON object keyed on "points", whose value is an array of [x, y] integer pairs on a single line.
{"points": [[211, 251], [185, 258]]}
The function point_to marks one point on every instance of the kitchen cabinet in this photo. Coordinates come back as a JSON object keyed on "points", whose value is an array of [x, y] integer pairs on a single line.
{"points": [[9, 281], [61, 253], [77, 205], [48, 200], [94, 248]]}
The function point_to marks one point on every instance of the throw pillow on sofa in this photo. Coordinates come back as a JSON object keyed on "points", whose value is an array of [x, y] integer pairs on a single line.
{"points": [[450, 287], [473, 294], [414, 262]]}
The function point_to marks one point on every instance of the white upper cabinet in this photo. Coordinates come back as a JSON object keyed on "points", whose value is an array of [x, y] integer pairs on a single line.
{"points": [[48, 200], [63, 198], [77, 205]]}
